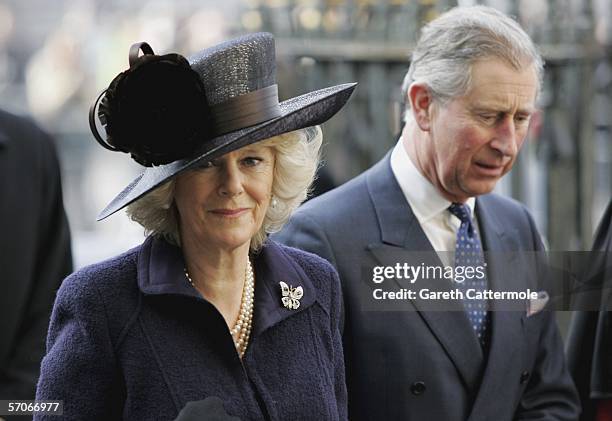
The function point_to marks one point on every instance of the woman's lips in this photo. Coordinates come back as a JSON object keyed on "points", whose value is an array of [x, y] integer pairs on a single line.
{"points": [[229, 213]]}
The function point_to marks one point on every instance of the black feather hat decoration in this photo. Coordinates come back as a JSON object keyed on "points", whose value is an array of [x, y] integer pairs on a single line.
{"points": [[156, 110]]}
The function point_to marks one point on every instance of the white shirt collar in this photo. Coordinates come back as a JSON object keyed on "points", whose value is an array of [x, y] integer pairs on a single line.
{"points": [[424, 199]]}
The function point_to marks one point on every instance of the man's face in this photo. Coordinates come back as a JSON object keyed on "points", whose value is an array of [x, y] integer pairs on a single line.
{"points": [[474, 139]]}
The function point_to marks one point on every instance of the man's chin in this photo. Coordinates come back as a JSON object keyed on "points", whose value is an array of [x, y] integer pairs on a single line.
{"points": [[479, 188]]}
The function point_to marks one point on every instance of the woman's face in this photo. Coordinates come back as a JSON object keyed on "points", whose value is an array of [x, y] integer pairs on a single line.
{"points": [[223, 203]]}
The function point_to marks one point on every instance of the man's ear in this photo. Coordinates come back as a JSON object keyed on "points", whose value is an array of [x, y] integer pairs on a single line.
{"points": [[421, 102]]}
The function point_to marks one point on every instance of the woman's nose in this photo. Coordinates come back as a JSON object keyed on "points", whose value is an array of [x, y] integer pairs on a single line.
{"points": [[231, 181]]}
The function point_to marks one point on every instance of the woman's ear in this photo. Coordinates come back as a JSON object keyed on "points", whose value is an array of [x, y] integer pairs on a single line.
{"points": [[421, 102]]}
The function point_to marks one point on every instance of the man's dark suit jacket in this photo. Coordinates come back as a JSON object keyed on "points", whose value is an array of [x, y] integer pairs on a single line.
{"points": [[428, 365], [589, 344], [34, 251]]}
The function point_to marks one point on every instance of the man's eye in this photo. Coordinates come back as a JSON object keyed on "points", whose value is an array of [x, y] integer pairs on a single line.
{"points": [[522, 118], [489, 118]]}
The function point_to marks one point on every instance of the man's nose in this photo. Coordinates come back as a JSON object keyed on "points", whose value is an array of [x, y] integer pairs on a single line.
{"points": [[505, 140]]}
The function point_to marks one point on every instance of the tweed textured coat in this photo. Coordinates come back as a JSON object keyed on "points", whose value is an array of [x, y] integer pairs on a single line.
{"points": [[131, 339]]}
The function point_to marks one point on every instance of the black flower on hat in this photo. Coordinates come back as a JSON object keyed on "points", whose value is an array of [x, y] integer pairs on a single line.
{"points": [[156, 110]]}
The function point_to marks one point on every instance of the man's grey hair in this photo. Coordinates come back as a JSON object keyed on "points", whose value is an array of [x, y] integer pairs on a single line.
{"points": [[296, 161], [451, 43]]}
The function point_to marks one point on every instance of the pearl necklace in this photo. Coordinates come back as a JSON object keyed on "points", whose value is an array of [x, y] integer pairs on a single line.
{"points": [[241, 332]]}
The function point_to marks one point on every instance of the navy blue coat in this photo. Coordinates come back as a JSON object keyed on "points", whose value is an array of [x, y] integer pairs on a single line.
{"points": [[131, 339]]}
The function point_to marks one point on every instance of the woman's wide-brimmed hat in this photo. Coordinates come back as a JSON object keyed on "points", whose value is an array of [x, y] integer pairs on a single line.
{"points": [[172, 114]]}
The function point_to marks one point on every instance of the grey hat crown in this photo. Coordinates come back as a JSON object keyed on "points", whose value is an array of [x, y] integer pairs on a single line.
{"points": [[236, 67]]}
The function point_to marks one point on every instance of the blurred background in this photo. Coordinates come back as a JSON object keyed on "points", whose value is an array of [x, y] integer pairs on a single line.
{"points": [[56, 56]]}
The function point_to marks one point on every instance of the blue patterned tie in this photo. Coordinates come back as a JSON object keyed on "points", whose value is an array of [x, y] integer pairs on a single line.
{"points": [[468, 252]]}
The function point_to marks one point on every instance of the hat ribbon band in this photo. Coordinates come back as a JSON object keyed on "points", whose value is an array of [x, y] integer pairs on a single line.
{"points": [[246, 110]]}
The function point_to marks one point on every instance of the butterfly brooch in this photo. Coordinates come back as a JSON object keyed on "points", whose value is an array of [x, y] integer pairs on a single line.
{"points": [[291, 296]]}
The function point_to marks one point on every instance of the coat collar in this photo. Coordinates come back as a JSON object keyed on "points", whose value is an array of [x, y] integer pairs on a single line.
{"points": [[272, 266], [161, 271]]}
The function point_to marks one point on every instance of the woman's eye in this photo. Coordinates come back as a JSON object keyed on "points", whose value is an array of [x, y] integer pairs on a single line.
{"points": [[251, 161], [205, 165]]}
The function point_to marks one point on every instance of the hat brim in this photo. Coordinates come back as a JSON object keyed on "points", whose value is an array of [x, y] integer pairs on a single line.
{"points": [[302, 111]]}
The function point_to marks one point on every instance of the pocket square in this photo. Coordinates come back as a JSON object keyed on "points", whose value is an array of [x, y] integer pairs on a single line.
{"points": [[535, 305]]}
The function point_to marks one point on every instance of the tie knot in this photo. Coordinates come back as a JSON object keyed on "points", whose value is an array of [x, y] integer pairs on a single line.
{"points": [[461, 211]]}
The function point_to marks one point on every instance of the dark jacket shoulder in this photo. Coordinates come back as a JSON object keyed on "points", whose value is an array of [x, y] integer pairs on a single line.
{"points": [[104, 276], [506, 207], [312, 264], [511, 214], [339, 201], [107, 290], [27, 141]]}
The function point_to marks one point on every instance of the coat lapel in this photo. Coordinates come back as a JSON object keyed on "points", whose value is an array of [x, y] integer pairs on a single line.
{"points": [[403, 237], [271, 267]]}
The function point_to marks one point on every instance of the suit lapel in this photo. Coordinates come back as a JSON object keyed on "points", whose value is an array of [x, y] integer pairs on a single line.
{"points": [[395, 218], [403, 238], [506, 347]]}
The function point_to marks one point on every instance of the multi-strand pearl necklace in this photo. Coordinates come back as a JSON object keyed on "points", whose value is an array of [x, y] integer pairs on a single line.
{"points": [[241, 332]]}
